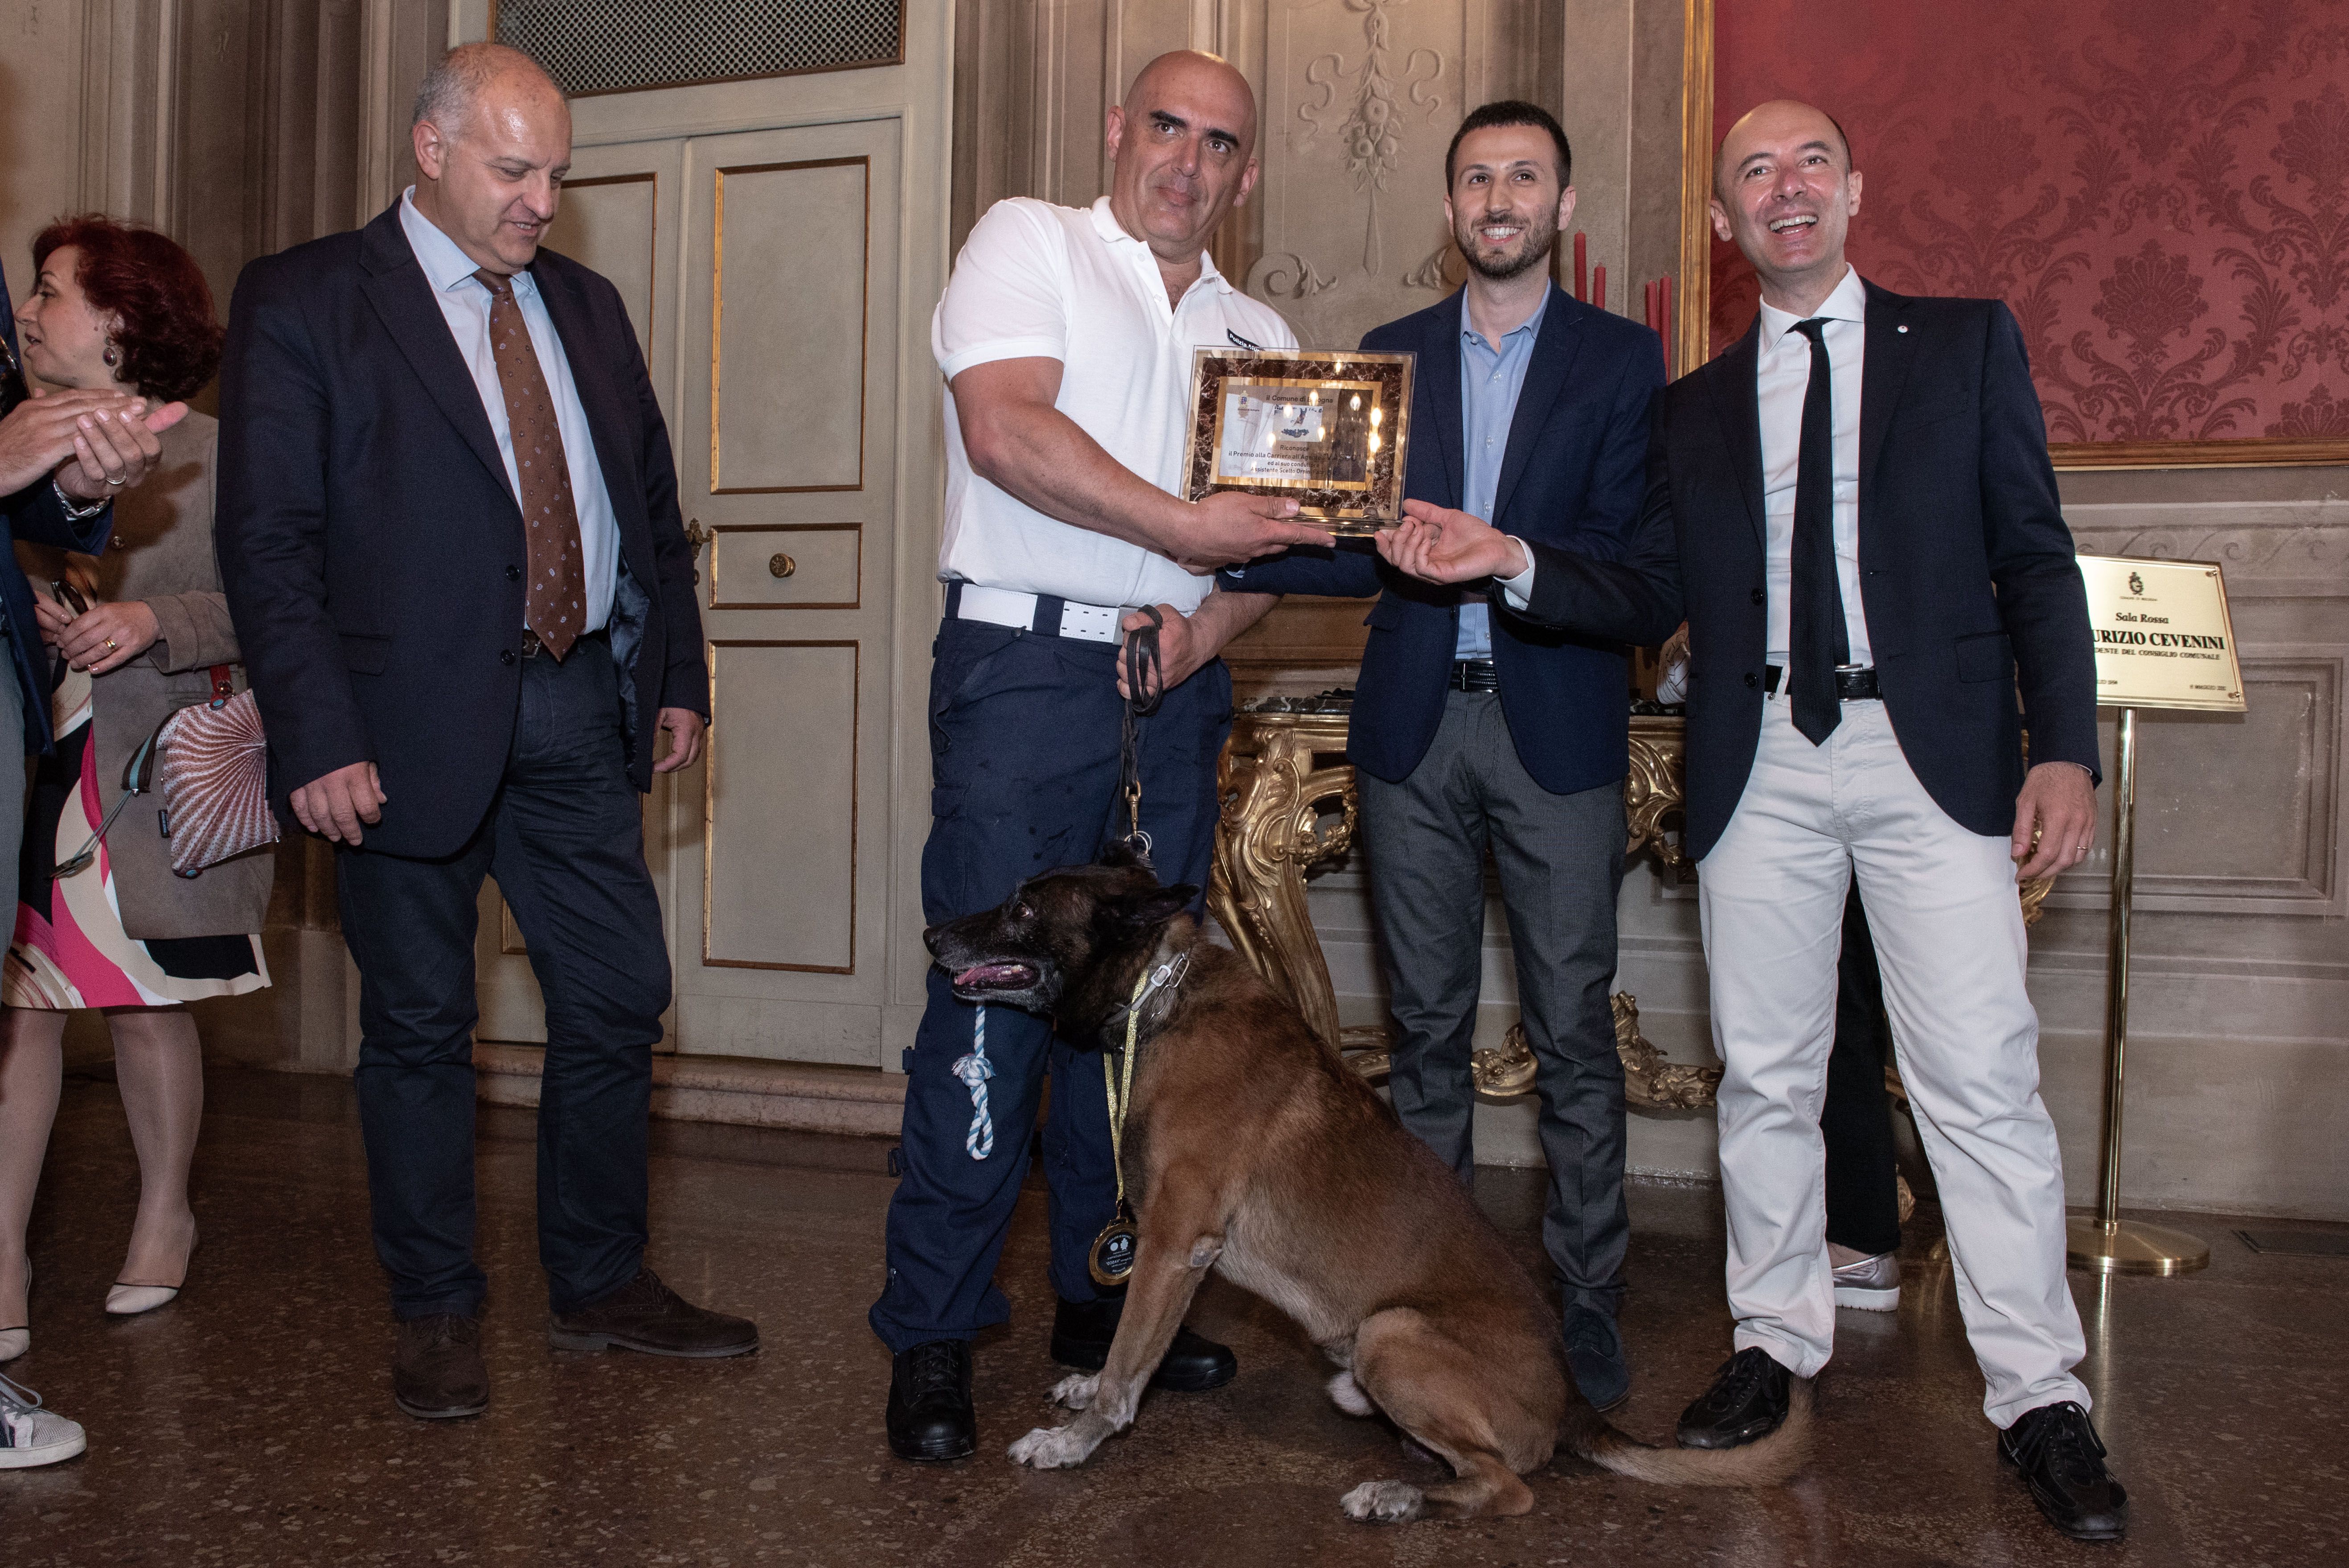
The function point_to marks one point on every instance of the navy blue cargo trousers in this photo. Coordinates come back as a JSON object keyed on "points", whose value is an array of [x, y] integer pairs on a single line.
{"points": [[1024, 741]]}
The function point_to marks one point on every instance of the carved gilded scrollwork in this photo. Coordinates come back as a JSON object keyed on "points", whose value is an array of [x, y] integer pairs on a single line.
{"points": [[1279, 803]]}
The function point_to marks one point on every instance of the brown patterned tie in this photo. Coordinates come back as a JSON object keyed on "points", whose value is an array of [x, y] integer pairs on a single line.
{"points": [[555, 604]]}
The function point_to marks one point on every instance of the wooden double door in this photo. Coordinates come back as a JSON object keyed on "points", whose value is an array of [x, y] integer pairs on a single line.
{"points": [[775, 273]]}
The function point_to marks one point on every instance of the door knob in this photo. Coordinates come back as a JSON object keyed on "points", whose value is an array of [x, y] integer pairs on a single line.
{"points": [[782, 566], [696, 536]]}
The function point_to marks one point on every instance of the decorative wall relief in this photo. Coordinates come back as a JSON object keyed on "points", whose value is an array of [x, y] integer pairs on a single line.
{"points": [[2159, 189], [1371, 133]]}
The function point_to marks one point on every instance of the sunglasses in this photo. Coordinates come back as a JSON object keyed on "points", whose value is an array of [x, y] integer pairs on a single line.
{"points": [[137, 778]]}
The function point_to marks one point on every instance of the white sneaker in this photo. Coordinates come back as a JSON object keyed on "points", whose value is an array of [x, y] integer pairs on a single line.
{"points": [[31, 1436], [1871, 1284]]}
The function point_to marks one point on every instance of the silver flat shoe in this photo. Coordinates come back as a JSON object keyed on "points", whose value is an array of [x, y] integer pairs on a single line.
{"points": [[1871, 1284]]}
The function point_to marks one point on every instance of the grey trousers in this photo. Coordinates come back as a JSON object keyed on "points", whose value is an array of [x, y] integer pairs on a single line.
{"points": [[1560, 858]]}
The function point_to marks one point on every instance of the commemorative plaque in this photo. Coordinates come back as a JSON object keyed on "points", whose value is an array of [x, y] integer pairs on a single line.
{"points": [[2163, 639], [1327, 428]]}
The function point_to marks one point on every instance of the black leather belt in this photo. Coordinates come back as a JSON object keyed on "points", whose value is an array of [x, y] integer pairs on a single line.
{"points": [[1474, 674], [1851, 686]]}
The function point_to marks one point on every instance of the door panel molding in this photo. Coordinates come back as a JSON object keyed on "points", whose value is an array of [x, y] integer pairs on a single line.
{"points": [[792, 773], [799, 218]]}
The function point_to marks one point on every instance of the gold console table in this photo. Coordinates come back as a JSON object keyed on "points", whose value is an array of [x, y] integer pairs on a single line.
{"points": [[1289, 804]]}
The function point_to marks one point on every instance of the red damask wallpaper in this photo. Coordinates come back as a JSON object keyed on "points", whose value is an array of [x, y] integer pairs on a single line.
{"points": [[2159, 189]]}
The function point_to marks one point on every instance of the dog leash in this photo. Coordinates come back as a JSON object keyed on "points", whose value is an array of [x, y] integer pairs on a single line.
{"points": [[1144, 687], [1112, 1263], [973, 1070]]}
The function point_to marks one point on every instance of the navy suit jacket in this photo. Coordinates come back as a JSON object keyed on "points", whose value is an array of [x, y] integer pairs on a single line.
{"points": [[1571, 477], [373, 551], [1966, 567], [34, 513]]}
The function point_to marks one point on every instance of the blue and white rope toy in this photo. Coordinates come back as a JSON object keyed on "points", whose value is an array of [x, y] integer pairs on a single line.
{"points": [[973, 1070]]}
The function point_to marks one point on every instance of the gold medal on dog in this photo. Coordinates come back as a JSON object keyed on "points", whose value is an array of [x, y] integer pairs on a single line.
{"points": [[1112, 1263]]}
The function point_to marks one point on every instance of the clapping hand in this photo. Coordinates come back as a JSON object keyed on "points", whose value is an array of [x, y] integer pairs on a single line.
{"points": [[1438, 544], [96, 444]]}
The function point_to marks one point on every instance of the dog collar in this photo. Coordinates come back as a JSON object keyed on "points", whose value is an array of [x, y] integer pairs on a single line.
{"points": [[1161, 980]]}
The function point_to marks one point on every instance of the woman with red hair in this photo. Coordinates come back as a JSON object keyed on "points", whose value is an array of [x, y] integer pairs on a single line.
{"points": [[140, 632]]}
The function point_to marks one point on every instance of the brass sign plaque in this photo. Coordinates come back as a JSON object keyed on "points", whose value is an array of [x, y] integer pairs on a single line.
{"points": [[1327, 428], [2163, 638]]}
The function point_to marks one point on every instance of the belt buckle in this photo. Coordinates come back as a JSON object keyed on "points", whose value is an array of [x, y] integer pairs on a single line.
{"points": [[531, 646], [1091, 623]]}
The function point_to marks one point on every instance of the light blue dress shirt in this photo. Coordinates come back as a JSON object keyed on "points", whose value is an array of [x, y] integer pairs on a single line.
{"points": [[464, 302], [1491, 376]]}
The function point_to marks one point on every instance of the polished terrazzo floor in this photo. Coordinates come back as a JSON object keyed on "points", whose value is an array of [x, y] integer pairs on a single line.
{"points": [[251, 1423]]}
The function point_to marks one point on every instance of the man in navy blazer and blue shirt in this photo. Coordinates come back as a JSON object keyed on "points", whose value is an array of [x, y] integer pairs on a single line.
{"points": [[448, 534], [1474, 730], [1853, 510]]}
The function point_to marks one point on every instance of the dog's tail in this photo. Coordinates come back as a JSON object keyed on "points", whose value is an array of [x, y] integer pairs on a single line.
{"points": [[1768, 1461]]}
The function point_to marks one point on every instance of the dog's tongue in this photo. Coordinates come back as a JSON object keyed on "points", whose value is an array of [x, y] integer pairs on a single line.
{"points": [[991, 975]]}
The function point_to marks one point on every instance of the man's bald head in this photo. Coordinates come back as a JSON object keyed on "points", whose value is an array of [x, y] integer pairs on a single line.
{"points": [[1184, 145], [1784, 193], [1758, 124], [1195, 77], [452, 88]]}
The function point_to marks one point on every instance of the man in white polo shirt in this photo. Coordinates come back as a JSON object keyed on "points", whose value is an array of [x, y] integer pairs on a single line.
{"points": [[1066, 338]]}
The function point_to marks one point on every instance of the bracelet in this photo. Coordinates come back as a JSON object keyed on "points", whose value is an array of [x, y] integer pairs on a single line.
{"points": [[79, 511]]}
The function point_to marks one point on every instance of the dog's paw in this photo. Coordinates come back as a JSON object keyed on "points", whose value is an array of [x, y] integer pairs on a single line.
{"points": [[1077, 1391], [1382, 1502], [1050, 1448]]}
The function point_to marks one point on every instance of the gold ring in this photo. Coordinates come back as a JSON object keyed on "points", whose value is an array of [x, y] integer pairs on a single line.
{"points": [[110, 644]]}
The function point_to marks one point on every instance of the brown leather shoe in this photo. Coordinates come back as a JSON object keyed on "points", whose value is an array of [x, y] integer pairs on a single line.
{"points": [[436, 1373], [646, 1314]]}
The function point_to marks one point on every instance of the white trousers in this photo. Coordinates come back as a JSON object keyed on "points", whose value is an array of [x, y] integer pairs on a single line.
{"points": [[1949, 936]]}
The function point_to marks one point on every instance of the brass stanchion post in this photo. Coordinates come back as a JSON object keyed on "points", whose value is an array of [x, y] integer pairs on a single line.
{"points": [[2108, 1244]]}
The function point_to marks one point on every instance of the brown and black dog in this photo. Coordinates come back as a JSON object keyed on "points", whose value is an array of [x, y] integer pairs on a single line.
{"points": [[1252, 1148]]}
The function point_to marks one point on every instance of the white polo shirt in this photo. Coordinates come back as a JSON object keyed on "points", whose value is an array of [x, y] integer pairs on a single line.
{"points": [[1037, 280]]}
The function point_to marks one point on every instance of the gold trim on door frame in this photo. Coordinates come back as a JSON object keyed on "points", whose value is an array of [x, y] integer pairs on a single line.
{"points": [[709, 794], [652, 235], [855, 528], [717, 319]]}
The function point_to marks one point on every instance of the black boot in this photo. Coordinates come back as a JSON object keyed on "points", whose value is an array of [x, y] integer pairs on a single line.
{"points": [[930, 1418], [1748, 1400], [1082, 1332], [2063, 1461]]}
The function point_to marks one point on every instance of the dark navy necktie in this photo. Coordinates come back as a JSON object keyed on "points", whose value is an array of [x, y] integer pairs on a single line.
{"points": [[1817, 638]]}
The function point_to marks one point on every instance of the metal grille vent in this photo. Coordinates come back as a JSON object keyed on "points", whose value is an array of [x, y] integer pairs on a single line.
{"points": [[620, 45]]}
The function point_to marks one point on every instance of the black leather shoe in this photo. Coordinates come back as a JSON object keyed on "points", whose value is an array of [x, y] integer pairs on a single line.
{"points": [[1594, 1354], [2063, 1461], [930, 1418], [1746, 1402], [645, 1315], [436, 1371], [1082, 1332]]}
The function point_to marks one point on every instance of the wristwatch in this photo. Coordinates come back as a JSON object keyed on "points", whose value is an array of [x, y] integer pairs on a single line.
{"points": [[79, 511]]}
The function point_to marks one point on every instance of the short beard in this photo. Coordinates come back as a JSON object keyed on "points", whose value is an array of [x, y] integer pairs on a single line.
{"points": [[1540, 240]]}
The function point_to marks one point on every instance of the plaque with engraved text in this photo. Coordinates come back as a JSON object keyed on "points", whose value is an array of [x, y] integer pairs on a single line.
{"points": [[1327, 428], [2163, 638]]}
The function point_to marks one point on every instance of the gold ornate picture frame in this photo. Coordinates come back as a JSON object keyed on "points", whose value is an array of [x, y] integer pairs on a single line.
{"points": [[1328, 428]]}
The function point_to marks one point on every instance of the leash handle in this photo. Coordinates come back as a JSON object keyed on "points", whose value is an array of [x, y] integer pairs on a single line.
{"points": [[1145, 689]]}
